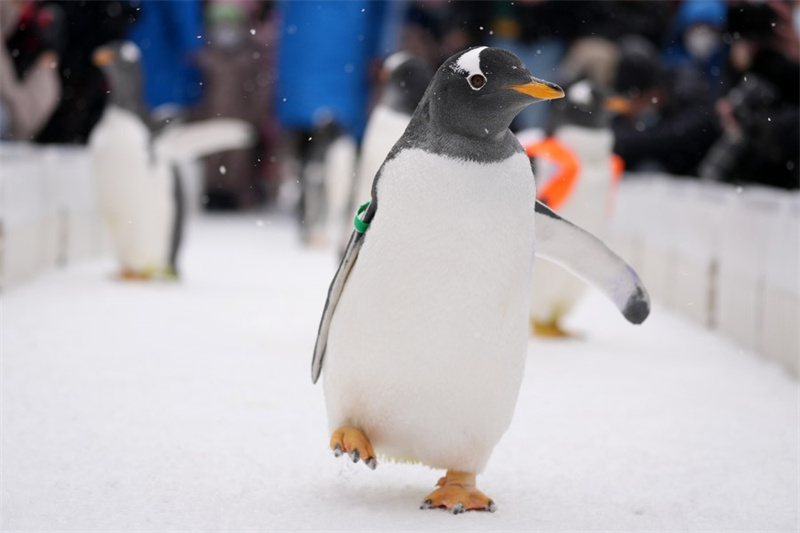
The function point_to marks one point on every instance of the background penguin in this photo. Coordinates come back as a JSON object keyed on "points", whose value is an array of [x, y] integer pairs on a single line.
{"points": [[327, 176], [424, 335], [405, 80], [135, 167], [580, 142]]}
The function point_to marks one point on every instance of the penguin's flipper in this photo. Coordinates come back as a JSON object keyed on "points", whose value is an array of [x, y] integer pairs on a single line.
{"points": [[334, 292], [583, 254], [186, 142]]}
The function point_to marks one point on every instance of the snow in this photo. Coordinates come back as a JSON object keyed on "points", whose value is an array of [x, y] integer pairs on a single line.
{"points": [[189, 407]]}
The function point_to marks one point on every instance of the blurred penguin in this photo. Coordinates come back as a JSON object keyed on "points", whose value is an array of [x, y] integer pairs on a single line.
{"points": [[579, 174], [135, 167], [405, 79], [326, 178]]}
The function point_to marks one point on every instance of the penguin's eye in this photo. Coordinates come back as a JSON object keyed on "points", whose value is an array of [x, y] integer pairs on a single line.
{"points": [[476, 81]]}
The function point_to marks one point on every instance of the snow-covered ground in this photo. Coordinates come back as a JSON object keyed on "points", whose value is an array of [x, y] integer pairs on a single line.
{"points": [[189, 407]]}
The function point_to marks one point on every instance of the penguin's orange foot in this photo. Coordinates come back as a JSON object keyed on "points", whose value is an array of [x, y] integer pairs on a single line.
{"points": [[550, 329], [133, 275], [457, 493], [353, 442]]}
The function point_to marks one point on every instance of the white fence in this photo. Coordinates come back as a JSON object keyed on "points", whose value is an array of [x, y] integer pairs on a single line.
{"points": [[725, 257], [48, 214]]}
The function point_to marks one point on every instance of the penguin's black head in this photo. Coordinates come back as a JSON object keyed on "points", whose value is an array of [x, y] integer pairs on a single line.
{"points": [[585, 104], [120, 62], [406, 78], [478, 92]]}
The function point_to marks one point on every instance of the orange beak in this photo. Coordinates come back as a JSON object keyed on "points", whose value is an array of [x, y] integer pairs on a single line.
{"points": [[103, 57], [617, 104], [543, 90]]}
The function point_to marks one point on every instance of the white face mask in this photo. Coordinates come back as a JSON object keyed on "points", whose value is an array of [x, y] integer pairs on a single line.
{"points": [[701, 41], [226, 36]]}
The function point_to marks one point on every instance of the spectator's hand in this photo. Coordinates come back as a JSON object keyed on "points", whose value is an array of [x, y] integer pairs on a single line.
{"points": [[742, 54], [728, 120], [47, 59]]}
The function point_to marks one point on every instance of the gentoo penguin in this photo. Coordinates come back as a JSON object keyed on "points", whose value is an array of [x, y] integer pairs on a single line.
{"points": [[327, 177], [135, 167], [424, 334], [580, 141], [405, 80]]}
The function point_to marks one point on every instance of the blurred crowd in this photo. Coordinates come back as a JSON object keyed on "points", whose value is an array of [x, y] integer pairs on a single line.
{"points": [[712, 85]]}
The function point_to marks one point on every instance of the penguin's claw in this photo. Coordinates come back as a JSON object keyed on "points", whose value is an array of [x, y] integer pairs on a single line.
{"points": [[457, 493], [355, 444]]}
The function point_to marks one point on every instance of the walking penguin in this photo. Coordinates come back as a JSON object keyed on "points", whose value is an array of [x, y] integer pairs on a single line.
{"points": [[135, 164], [424, 335]]}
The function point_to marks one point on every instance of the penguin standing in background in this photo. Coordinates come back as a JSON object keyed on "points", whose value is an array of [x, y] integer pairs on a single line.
{"points": [[327, 177], [424, 335], [580, 143], [135, 167], [405, 80]]}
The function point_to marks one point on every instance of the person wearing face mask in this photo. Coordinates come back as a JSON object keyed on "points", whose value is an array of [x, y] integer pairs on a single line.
{"points": [[695, 40], [759, 113], [670, 122]]}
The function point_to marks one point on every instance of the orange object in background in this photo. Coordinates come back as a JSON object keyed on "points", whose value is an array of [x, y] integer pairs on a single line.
{"points": [[558, 189]]}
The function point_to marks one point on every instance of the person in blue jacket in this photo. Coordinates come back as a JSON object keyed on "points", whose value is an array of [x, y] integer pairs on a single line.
{"points": [[326, 53], [695, 40], [170, 33], [326, 48]]}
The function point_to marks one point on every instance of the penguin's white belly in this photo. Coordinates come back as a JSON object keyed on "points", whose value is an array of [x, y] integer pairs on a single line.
{"points": [[427, 344], [134, 193], [554, 291]]}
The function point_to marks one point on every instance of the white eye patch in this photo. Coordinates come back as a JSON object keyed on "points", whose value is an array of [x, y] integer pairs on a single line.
{"points": [[130, 52], [470, 64], [580, 93]]}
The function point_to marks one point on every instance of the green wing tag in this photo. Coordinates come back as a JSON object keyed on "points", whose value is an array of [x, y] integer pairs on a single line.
{"points": [[360, 225]]}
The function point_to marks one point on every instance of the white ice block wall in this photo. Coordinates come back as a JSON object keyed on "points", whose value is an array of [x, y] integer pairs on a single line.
{"points": [[22, 211], [48, 211], [724, 256], [780, 312]]}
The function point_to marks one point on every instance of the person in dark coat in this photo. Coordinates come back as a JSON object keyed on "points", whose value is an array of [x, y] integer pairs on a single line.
{"points": [[88, 25], [671, 122], [760, 115], [238, 84]]}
